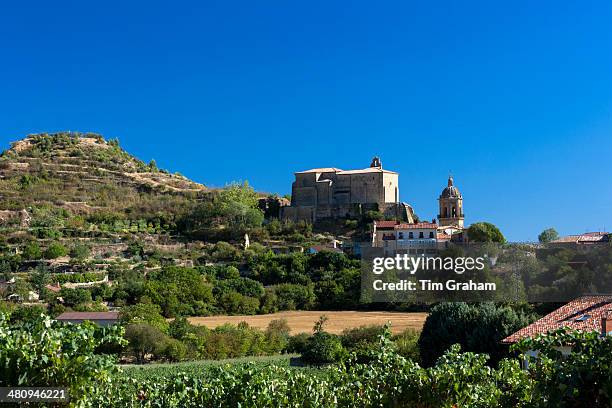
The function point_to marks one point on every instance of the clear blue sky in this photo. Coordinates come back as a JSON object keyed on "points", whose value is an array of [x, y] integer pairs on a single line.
{"points": [[514, 99]]}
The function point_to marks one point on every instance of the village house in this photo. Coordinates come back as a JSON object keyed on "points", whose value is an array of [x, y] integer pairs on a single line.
{"points": [[99, 318], [582, 240], [405, 238], [587, 313]]}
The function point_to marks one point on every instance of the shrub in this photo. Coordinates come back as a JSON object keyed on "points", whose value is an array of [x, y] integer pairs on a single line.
{"points": [[477, 328], [224, 251], [55, 250], [180, 327], [277, 335], [323, 348], [407, 344], [44, 353], [80, 252], [135, 248], [235, 303], [364, 334], [32, 251], [76, 296], [298, 343], [174, 350]]}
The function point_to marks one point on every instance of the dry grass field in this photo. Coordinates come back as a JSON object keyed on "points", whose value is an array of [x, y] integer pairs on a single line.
{"points": [[303, 321]]}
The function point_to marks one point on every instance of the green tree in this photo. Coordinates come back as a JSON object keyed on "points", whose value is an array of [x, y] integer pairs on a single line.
{"points": [[235, 303], [548, 235], [76, 296], [144, 339], [323, 348], [80, 252], [180, 327], [40, 277], [179, 291], [21, 288], [477, 328], [55, 250], [145, 313], [485, 232], [32, 251]]}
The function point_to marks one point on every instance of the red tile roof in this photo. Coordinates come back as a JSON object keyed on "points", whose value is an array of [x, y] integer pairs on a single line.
{"points": [[586, 237], [418, 225], [584, 313], [53, 288], [88, 316], [443, 236], [403, 225], [385, 224]]}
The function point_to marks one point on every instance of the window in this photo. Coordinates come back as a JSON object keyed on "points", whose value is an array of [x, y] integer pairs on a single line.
{"points": [[421, 235], [410, 235], [431, 235], [401, 235]]}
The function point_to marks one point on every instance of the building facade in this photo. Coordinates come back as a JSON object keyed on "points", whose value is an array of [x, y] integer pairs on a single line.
{"points": [[334, 193], [405, 238]]}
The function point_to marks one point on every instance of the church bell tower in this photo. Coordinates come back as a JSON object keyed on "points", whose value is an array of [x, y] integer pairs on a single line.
{"points": [[451, 206]]}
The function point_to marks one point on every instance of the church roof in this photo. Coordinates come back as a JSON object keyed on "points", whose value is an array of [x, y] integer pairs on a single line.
{"points": [[321, 170], [346, 172], [368, 170]]}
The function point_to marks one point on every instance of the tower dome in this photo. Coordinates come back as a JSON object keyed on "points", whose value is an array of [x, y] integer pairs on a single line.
{"points": [[450, 191]]}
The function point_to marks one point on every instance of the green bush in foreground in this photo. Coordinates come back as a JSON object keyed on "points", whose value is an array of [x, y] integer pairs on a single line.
{"points": [[42, 352]]}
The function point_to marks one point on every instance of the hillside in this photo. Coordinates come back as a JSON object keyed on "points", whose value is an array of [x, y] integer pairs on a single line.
{"points": [[76, 190], [84, 173]]}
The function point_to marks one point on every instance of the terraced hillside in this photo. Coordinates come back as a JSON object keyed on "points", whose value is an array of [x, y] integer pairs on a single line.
{"points": [[76, 190], [84, 173]]}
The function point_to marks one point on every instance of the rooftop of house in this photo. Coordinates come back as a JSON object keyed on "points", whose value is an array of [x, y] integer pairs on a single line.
{"points": [[587, 237], [319, 248], [402, 225], [584, 313]]}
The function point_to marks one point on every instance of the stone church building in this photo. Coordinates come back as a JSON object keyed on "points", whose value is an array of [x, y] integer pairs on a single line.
{"points": [[332, 193]]}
